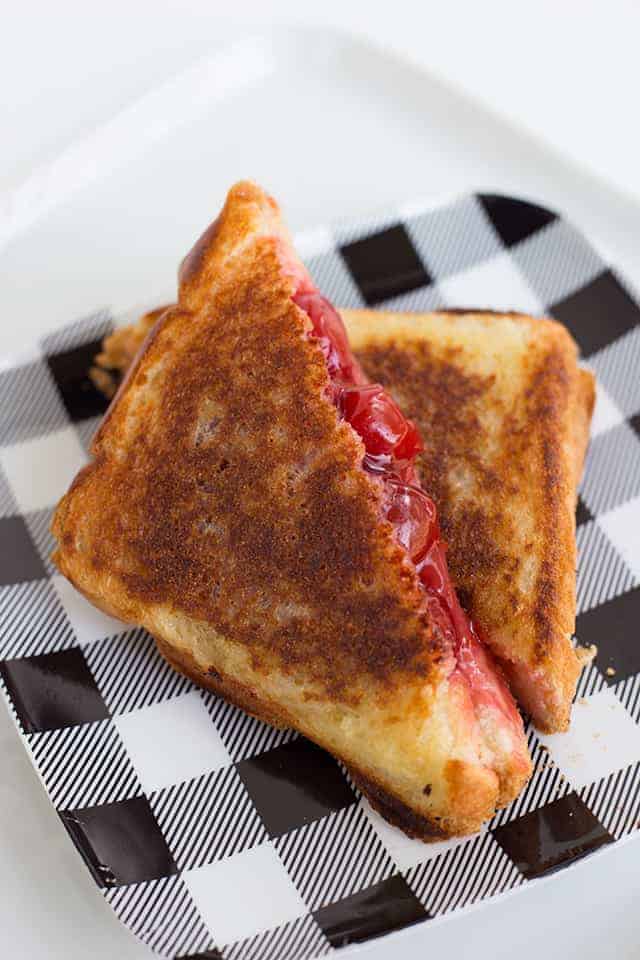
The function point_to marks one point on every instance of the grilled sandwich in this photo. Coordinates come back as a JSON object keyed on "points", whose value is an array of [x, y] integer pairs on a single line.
{"points": [[252, 501], [504, 411]]}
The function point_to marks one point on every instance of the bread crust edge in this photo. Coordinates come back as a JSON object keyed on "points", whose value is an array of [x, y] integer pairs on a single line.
{"points": [[389, 806]]}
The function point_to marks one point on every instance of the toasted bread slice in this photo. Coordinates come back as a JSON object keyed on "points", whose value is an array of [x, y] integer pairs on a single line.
{"points": [[504, 411], [228, 511]]}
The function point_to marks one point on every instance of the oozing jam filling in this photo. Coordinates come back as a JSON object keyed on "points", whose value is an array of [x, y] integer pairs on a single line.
{"points": [[391, 443]]}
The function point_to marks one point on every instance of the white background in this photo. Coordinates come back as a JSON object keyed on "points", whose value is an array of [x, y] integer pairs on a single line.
{"points": [[565, 71]]}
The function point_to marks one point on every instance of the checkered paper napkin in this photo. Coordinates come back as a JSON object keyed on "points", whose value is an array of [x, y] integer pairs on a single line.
{"points": [[213, 835]]}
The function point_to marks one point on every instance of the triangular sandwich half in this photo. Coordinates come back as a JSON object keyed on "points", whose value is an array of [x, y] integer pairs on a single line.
{"points": [[252, 501], [504, 413]]}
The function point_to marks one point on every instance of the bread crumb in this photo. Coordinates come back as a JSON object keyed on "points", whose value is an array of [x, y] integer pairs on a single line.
{"points": [[610, 672], [586, 654]]}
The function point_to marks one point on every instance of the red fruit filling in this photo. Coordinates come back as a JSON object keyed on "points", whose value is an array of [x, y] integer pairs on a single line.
{"points": [[391, 443]]}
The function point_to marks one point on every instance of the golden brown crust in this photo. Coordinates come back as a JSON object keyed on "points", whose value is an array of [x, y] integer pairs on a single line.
{"points": [[397, 813], [502, 459], [349, 604], [389, 805], [240, 694]]}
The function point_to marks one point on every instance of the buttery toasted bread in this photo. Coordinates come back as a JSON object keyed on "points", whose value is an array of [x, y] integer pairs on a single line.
{"points": [[504, 412], [227, 510]]}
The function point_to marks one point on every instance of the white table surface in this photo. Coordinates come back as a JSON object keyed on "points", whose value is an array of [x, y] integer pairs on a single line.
{"points": [[68, 66]]}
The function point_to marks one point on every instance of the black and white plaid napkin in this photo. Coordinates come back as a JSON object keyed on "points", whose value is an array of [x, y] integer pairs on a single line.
{"points": [[213, 835]]}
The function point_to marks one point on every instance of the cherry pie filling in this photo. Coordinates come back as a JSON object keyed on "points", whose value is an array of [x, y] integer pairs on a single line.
{"points": [[392, 443]]}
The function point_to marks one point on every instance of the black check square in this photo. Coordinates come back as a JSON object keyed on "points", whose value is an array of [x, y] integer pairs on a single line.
{"points": [[53, 690], [70, 370], [598, 313], [294, 784], [514, 220], [390, 905], [551, 836], [121, 843], [19, 559], [613, 628], [385, 264]]}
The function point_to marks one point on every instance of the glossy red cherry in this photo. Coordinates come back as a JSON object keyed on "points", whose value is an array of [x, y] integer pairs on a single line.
{"points": [[329, 330], [410, 445], [383, 427], [413, 514], [391, 443], [433, 571]]}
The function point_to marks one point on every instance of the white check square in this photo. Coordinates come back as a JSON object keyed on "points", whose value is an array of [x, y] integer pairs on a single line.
{"points": [[244, 894], [313, 242], [41, 470], [494, 284], [89, 623], [622, 527], [602, 738], [172, 741], [605, 413]]}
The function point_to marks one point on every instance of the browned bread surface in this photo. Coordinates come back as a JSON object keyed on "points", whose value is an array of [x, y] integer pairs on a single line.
{"points": [[504, 412], [226, 511], [391, 808], [505, 409], [236, 404]]}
